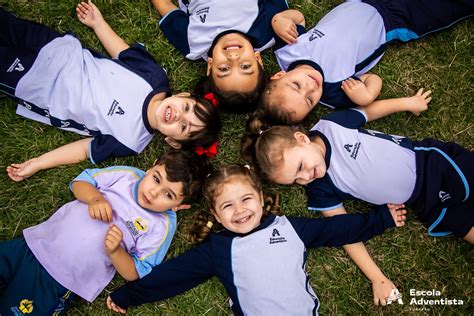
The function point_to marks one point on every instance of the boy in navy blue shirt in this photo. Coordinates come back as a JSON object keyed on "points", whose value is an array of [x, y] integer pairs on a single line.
{"points": [[119, 102]]}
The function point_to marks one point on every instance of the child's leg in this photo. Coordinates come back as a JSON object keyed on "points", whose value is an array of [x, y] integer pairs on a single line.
{"points": [[446, 204], [20, 43], [27, 286], [28, 35], [407, 20]]}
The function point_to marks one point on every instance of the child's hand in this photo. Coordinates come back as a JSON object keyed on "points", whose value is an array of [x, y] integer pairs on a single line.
{"points": [[357, 91], [382, 289], [89, 14], [398, 213], [100, 209], [19, 172], [113, 238], [285, 28], [419, 102], [113, 307]]}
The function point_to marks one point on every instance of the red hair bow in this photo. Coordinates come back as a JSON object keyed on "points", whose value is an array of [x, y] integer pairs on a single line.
{"points": [[210, 97], [210, 151]]}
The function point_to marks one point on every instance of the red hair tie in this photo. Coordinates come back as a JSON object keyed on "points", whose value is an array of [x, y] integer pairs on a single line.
{"points": [[210, 97], [210, 151]]}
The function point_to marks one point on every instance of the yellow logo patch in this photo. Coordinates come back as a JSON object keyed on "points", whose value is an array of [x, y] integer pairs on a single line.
{"points": [[26, 306], [140, 224]]}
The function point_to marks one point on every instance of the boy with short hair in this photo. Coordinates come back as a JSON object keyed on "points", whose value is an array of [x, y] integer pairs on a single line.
{"points": [[131, 211]]}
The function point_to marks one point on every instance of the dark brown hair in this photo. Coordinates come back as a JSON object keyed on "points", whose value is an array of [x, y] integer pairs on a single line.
{"points": [[233, 101], [208, 114], [212, 188], [269, 110], [188, 168]]}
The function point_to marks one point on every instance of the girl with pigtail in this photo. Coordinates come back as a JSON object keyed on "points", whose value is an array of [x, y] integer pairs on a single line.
{"points": [[258, 256]]}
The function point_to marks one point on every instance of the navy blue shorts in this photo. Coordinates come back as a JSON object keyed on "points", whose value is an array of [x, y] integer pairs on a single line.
{"points": [[443, 195], [407, 20], [25, 286], [20, 43]]}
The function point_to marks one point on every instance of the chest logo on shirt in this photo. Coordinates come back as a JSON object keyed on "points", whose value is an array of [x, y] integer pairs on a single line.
{"points": [[115, 109], [137, 225], [276, 237], [353, 149], [202, 13], [315, 34], [16, 66]]}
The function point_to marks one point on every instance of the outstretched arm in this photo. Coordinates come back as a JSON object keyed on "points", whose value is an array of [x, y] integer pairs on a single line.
{"points": [[66, 155], [415, 104], [284, 24], [381, 285], [363, 92], [163, 6], [90, 15]]}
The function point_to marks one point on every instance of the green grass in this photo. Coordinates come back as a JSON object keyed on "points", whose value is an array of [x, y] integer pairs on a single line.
{"points": [[442, 63]]}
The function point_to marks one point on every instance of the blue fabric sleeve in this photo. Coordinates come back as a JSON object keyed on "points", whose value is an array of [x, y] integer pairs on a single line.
{"points": [[168, 279], [261, 30], [86, 176], [340, 230], [144, 265], [351, 118], [334, 97], [140, 61], [104, 146], [322, 195], [175, 27]]}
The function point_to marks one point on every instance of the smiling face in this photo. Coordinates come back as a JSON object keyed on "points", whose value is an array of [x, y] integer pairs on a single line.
{"points": [[156, 193], [238, 206], [302, 164], [175, 117], [234, 64], [297, 91]]}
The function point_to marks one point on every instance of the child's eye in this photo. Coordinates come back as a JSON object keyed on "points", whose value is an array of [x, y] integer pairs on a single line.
{"points": [[183, 127], [297, 85], [187, 107], [300, 167], [310, 100], [157, 180], [246, 199], [245, 66], [223, 68], [169, 195]]}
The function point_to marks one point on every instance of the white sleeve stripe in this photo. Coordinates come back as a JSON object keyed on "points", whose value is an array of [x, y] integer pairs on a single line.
{"points": [[324, 208]]}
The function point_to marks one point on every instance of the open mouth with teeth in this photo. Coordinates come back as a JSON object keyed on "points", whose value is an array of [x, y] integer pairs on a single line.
{"points": [[243, 219], [168, 113], [232, 47]]}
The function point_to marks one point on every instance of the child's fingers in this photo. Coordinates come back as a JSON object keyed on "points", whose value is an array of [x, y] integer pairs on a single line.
{"points": [[115, 231], [419, 92], [426, 94]]}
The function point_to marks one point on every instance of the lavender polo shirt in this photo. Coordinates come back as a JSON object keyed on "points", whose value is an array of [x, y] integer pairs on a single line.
{"points": [[70, 245]]}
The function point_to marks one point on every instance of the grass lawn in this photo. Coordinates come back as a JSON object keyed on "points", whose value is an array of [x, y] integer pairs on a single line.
{"points": [[442, 62]]}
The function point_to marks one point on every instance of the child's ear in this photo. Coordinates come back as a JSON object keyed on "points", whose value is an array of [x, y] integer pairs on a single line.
{"points": [[181, 207], [209, 66], [278, 75], [258, 57], [301, 138], [172, 142], [183, 94], [216, 216]]}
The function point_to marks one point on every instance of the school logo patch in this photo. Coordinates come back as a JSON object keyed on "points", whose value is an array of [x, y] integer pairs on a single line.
{"points": [[115, 109], [353, 149], [25, 307], [274, 239], [137, 226], [202, 13], [315, 34], [16, 65]]}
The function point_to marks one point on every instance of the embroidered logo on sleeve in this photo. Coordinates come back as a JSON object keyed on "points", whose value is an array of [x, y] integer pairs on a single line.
{"points": [[202, 13], [315, 34]]}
